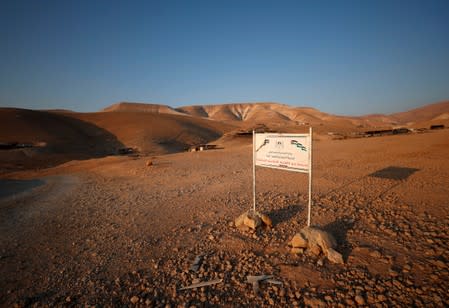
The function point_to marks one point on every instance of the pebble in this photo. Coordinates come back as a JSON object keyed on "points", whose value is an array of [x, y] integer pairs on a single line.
{"points": [[134, 299], [359, 300]]}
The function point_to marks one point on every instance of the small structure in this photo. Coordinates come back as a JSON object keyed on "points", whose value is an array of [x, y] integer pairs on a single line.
{"points": [[126, 151], [401, 130], [14, 145], [381, 132], [202, 147]]}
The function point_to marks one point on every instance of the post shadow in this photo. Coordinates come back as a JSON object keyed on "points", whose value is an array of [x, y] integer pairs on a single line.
{"points": [[284, 214]]}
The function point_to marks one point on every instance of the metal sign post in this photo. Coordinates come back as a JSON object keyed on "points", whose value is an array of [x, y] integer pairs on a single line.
{"points": [[310, 177], [254, 172]]}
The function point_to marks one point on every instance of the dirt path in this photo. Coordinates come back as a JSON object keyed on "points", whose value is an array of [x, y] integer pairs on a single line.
{"points": [[103, 231]]}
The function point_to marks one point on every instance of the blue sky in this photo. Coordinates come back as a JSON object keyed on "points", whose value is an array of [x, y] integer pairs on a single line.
{"points": [[342, 57]]}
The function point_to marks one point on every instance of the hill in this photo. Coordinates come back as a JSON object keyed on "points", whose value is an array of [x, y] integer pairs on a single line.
{"points": [[140, 107], [428, 114], [46, 138], [155, 133]]}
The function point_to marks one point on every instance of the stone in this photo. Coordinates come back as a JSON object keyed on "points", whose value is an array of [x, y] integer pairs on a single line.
{"points": [[266, 220], [149, 163], [315, 250], [298, 241], [296, 250], [252, 220], [359, 300], [334, 256], [375, 253], [316, 236], [134, 299], [239, 221], [314, 302]]}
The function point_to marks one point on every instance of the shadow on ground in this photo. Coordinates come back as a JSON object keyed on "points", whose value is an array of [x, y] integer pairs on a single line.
{"points": [[339, 229], [284, 214], [394, 173], [13, 187]]}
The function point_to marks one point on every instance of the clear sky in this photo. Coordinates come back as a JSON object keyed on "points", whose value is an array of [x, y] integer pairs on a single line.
{"points": [[343, 57]]}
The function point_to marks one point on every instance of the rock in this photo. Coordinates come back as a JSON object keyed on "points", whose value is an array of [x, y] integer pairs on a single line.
{"points": [[298, 241], [314, 302], [134, 299], [334, 256], [359, 300], [244, 228], [252, 220], [266, 220], [315, 250], [375, 253], [316, 236], [296, 250], [239, 220], [149, 163]]}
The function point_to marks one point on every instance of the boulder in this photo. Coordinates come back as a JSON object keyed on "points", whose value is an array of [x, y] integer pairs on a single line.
{"points": [[252, 220], [334, 256], [317, 241], [299, 241], [149, 163], [266, 220], [296, 250], [315, 250], [316, 236], [239, 221]]}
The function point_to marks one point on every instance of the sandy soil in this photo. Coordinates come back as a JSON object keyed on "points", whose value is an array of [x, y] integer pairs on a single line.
{"points": [[112, 231]]}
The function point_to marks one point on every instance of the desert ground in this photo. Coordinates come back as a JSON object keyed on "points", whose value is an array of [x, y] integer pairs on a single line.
{"points": [[95, 229]]}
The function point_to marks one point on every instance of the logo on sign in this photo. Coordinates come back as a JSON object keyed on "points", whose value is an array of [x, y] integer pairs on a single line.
{"points": [[265, 142], [279, 144], [299, 145]]}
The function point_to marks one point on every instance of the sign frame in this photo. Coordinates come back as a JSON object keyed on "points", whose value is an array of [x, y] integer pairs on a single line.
{"points": [[276, 165]]}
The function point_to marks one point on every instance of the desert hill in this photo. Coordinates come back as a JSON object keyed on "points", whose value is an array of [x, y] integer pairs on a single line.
{"points": [[45, 138], [436, 112], [155, 133], [141, 107], [275, 114]]}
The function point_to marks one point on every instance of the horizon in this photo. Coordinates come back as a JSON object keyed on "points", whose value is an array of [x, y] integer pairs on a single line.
{"points": [[349, 58]]}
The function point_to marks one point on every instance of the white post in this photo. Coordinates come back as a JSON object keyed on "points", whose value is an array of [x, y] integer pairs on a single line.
{"points": [[310, 176], [254, 171]]}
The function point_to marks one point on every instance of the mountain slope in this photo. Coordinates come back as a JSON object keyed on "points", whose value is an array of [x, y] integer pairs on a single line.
{"points": [[156, 133], [422, 114]]}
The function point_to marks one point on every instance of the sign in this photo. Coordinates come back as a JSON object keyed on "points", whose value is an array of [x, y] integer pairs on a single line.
{"points": [[283, 151], [292, 152]]}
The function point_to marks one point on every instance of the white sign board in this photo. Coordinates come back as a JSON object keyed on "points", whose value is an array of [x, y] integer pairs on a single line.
{"points": [[283, 151]]}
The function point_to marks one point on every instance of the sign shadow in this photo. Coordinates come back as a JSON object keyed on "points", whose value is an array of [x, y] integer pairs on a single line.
{"points": [[394, 173]]}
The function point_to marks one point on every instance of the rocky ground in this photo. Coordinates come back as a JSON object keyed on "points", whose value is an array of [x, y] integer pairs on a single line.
{"points": [[116, 232]]}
